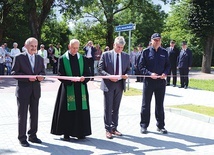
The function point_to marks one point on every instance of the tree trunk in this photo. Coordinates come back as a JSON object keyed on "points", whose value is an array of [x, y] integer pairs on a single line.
{"points": [[207, 55], [1, 33], [37, 19], [110, 32]]}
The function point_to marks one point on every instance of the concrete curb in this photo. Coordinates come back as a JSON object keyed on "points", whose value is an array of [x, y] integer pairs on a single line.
{"points": [[190, 114]]}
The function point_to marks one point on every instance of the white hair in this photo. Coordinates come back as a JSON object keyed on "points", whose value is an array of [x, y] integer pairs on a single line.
{"points": [[15, 44], [120, 40], [29, 40], [72, 41]]}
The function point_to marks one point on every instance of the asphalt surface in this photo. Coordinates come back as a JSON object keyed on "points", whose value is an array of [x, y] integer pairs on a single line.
{"points": [[189, 133]]}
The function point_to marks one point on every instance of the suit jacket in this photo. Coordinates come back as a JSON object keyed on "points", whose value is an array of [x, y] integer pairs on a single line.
{"points": [[185, 59], [106, 68], [173, 56], [21, 66], [93, 50]]}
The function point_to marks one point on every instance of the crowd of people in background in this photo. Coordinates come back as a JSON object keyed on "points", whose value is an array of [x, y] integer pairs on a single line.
{"points": [[50, 55], [180, 59]]}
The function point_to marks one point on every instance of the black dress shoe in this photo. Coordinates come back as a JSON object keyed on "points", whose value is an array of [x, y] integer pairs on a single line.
{"points": [[144, 130], [81, 137], [35, 140], [185, 87], [24, 143], [162, 130], [181, 87], [174, 85], [66, 138], [167, 84]]}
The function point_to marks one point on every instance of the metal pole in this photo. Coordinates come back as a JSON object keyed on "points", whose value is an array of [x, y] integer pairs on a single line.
{"points": [[129, 51]]}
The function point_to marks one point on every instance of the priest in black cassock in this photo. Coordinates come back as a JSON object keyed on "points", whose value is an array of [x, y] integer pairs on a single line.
{"points": [[71, 113]]}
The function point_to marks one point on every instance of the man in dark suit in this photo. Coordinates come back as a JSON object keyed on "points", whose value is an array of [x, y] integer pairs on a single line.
{"points": [[28, 90], [184, 65], [114, 62], [90, 56], [173, 53], [137, 59]]}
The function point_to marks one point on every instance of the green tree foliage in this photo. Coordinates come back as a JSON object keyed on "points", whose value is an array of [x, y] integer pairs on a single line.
{"points": [[38, 11], [86, 31], [177, 28], [201, 22], [148, 19], [54, 32], [103, 11], [13, 28]]}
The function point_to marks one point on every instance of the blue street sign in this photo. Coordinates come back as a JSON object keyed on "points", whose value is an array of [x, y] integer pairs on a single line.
{"points": [[126, 27]]}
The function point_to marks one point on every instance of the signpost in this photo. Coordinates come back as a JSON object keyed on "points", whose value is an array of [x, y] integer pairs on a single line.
{"points": [[126, 27]]}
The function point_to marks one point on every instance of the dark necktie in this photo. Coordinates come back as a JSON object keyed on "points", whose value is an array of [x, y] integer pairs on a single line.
{"points": [[117, 65]]}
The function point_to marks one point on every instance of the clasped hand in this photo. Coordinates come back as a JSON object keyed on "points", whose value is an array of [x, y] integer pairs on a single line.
{"points": [[39, 78], [156, 76], [122, 76]]}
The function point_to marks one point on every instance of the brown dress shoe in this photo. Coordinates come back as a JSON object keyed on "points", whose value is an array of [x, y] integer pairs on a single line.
{"points": [[117, 133], [108, 135]]}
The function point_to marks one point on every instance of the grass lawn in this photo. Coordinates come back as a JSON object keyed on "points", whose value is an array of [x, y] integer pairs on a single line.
{"points": [[202, 84], [197, 108], [193, 83], [132, 92]]}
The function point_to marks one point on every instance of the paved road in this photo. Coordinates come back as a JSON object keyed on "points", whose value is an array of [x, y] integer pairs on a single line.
{"points": [[187, 135]]}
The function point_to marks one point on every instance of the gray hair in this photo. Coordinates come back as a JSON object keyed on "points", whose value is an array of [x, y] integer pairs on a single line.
{"points": [[120, 40], [15, 44], [29, 40], [72, 41]]}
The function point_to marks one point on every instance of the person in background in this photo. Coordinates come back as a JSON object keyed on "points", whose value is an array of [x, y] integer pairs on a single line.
{"points": [[52, 61], [2, 59], [71, 115], [57, 54], [43, 52], [114, 62], [24, 49], [106, 48], [137, 59], [132, 60], [97, 55], [28, 90], [184, 65], [8, 63], [15, 51], [173, 53], [6, 48], [154, 63], [90, 56]]}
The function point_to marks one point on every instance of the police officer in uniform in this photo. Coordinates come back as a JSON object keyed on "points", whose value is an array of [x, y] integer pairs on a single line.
{"points": [[154, 64]]}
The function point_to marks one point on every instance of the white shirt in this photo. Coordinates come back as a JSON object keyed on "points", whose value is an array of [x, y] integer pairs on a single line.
{"points": [[43, 53], [24, 49], [88, 52], [14, 52], [2, 55]]}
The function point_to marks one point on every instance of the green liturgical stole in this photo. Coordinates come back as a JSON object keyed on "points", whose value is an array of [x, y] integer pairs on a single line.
{"points": [[71, 101]]}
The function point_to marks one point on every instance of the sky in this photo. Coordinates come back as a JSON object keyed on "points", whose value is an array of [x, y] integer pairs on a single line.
{"points": [[166, 7]]}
